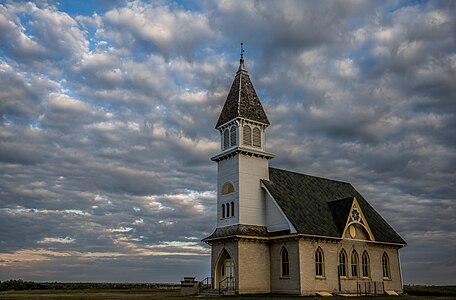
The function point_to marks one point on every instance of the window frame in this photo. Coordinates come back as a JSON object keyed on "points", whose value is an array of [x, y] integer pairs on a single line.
{"points": [[226, 139], [365, 265], [227, 188], [256, 137], [284, 263], [233, 135], [354, 264], [247, 139], [386, 269], [342, 267], [319, 263]]}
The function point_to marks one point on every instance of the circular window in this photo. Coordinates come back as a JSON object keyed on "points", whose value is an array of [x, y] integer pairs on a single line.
{"points": [[355, 215]]}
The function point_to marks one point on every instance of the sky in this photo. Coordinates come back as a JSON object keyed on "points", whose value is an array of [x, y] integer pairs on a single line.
{"points": [[108, 111]]}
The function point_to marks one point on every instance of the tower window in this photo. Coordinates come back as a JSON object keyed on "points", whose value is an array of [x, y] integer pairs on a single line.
{"points": [[233, 136], [232, 209], [227, 188], [247, 139], [256, 137], [227, 210], [342, 263], [319, 263], [226, 139], [223, 210]]}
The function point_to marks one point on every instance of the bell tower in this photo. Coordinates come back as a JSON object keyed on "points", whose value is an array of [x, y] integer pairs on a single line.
{"points": [[243, 160]]}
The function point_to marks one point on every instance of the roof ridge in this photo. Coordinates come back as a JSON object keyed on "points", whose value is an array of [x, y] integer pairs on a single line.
{"points": [[314, 176]]}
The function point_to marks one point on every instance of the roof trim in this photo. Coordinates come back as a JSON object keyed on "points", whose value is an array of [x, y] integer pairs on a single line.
{"points": [[241, 150], [363, 219]]}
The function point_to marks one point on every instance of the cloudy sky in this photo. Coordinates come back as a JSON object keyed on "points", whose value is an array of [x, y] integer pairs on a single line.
{"points": [[108, 111]]}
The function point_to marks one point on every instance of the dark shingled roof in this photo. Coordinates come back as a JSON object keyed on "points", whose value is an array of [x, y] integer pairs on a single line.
{"points": [[319, 206], [239, 229], [242, 101]]}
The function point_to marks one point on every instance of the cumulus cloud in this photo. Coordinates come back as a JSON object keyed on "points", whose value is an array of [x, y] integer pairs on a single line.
{"points": [[108, 114]]}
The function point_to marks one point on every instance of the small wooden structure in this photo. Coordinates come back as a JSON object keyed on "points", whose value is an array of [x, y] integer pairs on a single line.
{"points": [[189, 286]]}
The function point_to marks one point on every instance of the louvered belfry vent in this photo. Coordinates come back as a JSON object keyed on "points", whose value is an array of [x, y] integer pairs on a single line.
{"points": [[256, 137]]}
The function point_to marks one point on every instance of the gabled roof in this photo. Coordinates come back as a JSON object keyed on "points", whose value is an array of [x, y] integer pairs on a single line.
{"points": [[242, 100], [319, 206]]}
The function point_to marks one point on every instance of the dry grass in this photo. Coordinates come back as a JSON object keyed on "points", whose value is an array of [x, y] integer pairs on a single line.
{"points": [[167, 294]]}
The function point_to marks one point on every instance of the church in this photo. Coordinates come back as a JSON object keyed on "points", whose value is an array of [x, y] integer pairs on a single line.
{"points": [[284, 232]]}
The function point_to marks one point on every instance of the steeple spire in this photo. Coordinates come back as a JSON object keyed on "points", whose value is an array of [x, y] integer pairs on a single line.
{"points": [[242, 101]]}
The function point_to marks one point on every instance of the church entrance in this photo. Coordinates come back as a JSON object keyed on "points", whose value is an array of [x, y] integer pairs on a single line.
{"points": [[225, 278]]}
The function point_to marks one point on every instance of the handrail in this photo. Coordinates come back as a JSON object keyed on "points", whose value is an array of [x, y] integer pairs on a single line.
{"points": [[209, 283], [228, 286]]}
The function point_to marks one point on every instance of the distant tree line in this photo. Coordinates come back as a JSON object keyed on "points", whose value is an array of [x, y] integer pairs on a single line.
{"points": [[430, 290], [21, 285]]}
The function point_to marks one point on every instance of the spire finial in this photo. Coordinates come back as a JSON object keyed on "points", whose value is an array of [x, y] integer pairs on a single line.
{"points": [[242, 51], [241, 61]]}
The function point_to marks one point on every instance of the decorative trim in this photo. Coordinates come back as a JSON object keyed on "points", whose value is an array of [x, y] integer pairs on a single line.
{"points": [[362, 220], [244, 151]]}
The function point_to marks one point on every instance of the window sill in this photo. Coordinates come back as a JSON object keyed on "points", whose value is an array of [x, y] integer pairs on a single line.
{"points": [[285, 277], [386, 279], [320, 277]]}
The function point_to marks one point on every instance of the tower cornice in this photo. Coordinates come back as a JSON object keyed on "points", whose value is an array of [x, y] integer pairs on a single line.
{"points": [[240, 150]]}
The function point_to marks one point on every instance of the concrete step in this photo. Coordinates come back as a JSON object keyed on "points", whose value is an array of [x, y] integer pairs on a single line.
{"points": [[215, 292]]}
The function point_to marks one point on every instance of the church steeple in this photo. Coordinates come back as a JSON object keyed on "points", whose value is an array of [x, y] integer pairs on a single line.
{"points": [[243, 160], [242, 100]]}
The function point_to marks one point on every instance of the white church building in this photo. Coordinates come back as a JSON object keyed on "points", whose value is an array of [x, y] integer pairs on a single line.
{"points": [[284, 232]]}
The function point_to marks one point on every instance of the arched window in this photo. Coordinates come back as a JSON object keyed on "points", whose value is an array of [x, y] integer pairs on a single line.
{"points": [[365, 264], [342, 263], [247, 139], [226, 139], [223, 210], [233, 136], [319, 263], [256, 137], [232, 209], [354, 263], [227, 188], [385, 266], [227, 210], [284, 263]]}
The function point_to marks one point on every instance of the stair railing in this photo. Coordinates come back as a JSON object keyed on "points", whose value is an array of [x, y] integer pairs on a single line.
{"points": [[207, 283], [227, 283]]}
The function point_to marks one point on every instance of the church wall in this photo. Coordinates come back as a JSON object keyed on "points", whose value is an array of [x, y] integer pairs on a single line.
{"points": [[252, 207], [310, 283], [227, 171], [254, 266], [290, 285]]}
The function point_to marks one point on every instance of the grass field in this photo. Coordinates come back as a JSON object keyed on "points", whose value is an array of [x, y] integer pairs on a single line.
{"points": [[167, 294]]}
